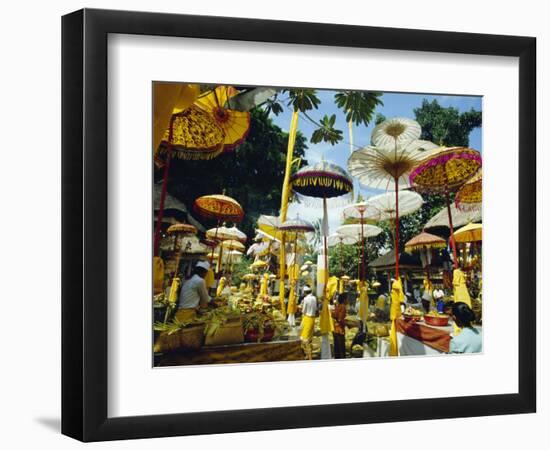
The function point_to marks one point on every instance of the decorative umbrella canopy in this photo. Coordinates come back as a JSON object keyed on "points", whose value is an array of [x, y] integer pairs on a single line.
{"points": [[361, 211], [269, 225], [395, 131], [258, 264], [469, 196], [388, 162], [232, 256], [258, 249], [469, 233], [345, 278], [235, 124], [354, 231], [380, 167], [297, 225], [193, 134], [425, 240], [446, 170], [224, 233], [337, 239], [249, 276], [182, 229], [233, 245], [322, 180], [209, 242], [220, 207], [460, 218], [384, 206]]}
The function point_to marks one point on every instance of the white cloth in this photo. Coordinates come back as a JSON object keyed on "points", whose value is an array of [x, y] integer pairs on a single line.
{"points": [[325, 347], [409, 346], [193, 293], [309, 305], [438, 293]]}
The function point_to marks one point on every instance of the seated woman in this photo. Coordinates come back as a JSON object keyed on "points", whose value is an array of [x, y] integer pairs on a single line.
{"points": [[470, 339]]}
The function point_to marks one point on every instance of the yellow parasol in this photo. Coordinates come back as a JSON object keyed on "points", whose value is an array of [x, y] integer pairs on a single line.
{"points": [[235, 124], [469, 196], [232, 244], [469, 233], [190, 134], [219, 207], [258, 265], [193, 134]]}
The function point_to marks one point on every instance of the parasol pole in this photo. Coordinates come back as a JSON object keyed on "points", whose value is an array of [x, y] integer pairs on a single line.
{"points": [[160, 215], [397, 228], [215, 239], [362, 248], [452, 237], [325, 246]]}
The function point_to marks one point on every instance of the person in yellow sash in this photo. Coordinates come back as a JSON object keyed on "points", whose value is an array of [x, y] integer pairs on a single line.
{"points": [[194, 294], [309, 312]]}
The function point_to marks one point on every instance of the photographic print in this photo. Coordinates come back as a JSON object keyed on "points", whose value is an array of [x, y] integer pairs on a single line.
{"points": [[300, 224]]}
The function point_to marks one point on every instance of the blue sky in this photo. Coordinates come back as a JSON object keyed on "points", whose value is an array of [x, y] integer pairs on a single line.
{"points": [[395, 105]]}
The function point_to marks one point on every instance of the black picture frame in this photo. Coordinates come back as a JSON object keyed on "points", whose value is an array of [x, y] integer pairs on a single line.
{"points": [[84, 224]]}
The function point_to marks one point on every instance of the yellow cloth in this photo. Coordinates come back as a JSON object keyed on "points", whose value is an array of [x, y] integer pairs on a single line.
{"points": [[326, 323], [341, 286], [284, 203], [264, 283], [363, 301], [291, 308], [184, 315], [158, 275], [397, 297], [332, 287], [461, 293], [221, 286], [308, 324], [209, 279], [174, 289]]}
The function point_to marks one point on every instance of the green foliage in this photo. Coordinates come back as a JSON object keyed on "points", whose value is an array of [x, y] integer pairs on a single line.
{"points": [[412, 224], [379, 118], [240, 269], [302, 99], [446, 126], [252, 173], [359, 106], [326, 132], [346, 259]]}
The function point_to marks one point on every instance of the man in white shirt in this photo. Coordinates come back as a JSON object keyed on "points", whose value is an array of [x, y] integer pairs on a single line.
{"points": [[194, 294], [309, 311]]}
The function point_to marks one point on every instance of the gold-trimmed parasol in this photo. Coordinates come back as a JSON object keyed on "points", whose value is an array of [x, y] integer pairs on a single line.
{"points": [[219, 207], [471, 232], [469, 196], [444, 171], [235, 124]]}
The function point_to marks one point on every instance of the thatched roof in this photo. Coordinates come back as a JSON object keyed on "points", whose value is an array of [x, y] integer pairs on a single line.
{"points": [[387, 261], [441, 219]]}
